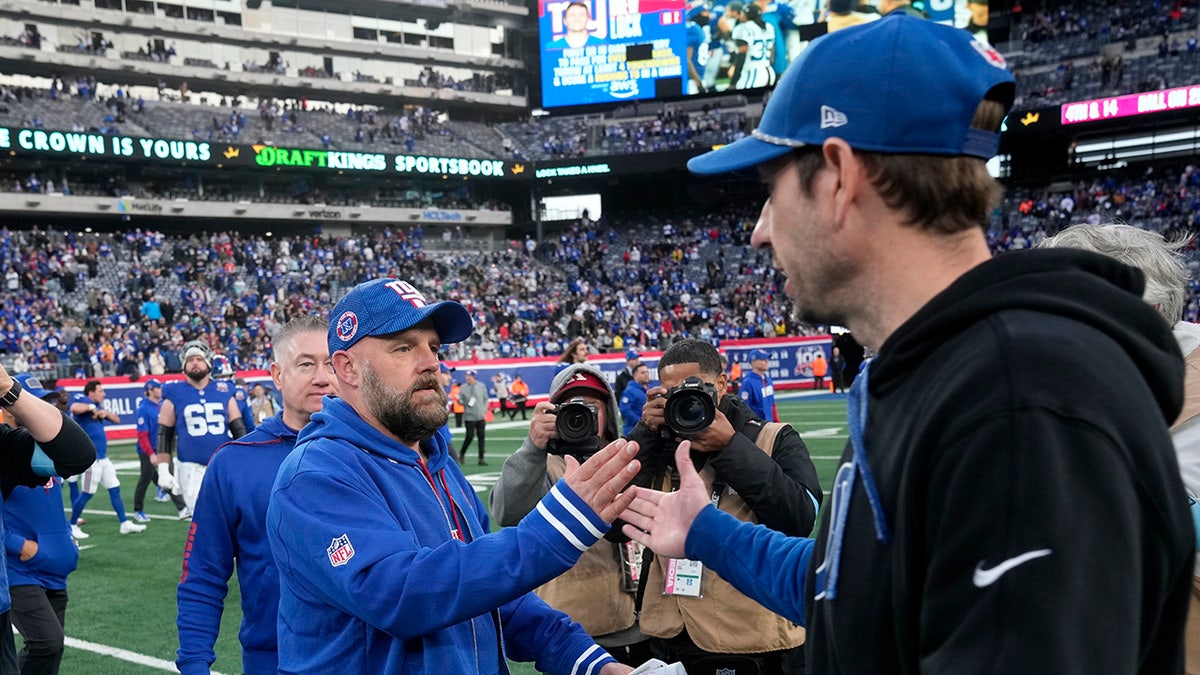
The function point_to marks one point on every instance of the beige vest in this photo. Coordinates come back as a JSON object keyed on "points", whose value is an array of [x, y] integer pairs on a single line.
{"points": [[590, 592], [721, 620]]}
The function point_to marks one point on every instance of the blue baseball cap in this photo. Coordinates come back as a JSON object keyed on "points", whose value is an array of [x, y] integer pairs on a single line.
{"points": [[898, 85], [30, 383], [152, 383], [695, 8], [631, 355], [387, 306], [760, 354]]}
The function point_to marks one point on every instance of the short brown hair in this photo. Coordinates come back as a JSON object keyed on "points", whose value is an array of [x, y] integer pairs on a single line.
{"points": [[935, 192]]}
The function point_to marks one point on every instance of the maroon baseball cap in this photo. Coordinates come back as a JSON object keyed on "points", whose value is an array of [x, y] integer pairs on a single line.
{"points": [[579, 383]]}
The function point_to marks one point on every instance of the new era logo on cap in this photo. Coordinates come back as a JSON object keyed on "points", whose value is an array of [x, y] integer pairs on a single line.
{"points": [[831, 117]]}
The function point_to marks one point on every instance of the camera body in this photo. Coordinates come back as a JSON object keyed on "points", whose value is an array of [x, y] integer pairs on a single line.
{"points": [[691, 407], [577, 424]]}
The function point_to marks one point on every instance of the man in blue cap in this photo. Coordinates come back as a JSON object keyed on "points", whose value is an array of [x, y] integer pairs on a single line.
{"points": [[986, 516], [632, 359], [147, 445], [757, 390], [385, 560]]}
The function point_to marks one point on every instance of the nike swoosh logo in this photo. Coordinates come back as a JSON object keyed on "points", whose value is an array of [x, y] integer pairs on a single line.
{"points": [[984, 578]]}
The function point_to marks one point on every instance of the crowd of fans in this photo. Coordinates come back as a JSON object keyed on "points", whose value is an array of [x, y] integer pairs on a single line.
{"points": [[1165, 199], [71, 307]]}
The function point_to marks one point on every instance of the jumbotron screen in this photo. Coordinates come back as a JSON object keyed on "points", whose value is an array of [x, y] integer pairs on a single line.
{"points": [[605, 51]]}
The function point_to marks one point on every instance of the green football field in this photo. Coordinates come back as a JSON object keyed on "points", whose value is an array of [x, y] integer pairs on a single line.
{"points": [[121, 617]]}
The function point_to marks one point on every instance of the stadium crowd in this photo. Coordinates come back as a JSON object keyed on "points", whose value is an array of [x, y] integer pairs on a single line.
{"points": [[86, 305], [123, 305]]}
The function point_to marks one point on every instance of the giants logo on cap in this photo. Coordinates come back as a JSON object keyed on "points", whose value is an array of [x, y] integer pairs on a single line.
{"points": [[406, 292], [347, 326], [989, 54], [340, 551]]}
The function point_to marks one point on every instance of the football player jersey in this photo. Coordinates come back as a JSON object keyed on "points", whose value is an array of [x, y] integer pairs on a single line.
{"points": [[201, 417]]}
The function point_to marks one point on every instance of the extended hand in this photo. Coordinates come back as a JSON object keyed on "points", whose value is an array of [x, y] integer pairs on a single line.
{"points": [[600, 480], [661, 520], [616, 669]]}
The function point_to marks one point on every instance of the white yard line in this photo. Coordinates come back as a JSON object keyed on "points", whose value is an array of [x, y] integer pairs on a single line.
{"points": [[122, 654]]}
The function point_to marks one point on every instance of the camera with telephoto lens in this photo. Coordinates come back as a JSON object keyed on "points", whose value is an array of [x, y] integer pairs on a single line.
{"points": [[577, 424], [691, 407]]}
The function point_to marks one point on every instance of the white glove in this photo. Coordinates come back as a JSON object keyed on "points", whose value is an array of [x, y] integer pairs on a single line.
{"points": [[165, 480]]}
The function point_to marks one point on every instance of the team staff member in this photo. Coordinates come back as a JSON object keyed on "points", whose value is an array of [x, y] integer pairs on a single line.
{"points": [[593, 592], [634, 398], [48, 443], [757, 389], [385, 559], [40, 554], [989, 514], [474, 398], [147, 445], [210, 416], [758, 473], [632, 359], [88, 411], [229, 525]]}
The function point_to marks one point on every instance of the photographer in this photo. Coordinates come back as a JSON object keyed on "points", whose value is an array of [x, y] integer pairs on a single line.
{"points": [[595, 592], [775, 485]]}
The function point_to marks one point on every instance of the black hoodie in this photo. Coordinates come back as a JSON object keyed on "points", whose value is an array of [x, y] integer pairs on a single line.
{"points": [[1017, 433]]}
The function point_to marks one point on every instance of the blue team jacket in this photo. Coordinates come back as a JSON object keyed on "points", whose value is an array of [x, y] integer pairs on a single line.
{"points": [[230, 523], [386, 564], [37, 513]]}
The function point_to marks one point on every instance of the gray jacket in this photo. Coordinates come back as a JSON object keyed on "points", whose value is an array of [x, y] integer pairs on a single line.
{"points": [[523, 479], [474, 398]]}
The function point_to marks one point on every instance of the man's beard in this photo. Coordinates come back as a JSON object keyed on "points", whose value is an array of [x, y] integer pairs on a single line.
{"points": [[396, 411], [196, 378]]}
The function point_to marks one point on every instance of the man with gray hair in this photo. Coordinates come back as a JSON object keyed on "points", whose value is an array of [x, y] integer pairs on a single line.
{"points": [[229, 523], [1166, 279]]}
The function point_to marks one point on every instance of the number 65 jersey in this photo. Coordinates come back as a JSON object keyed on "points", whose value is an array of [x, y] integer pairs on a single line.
{"points": [[201, 417]]}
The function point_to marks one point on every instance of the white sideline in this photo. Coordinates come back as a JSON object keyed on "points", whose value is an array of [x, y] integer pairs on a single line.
{"points": [[122, 654]]}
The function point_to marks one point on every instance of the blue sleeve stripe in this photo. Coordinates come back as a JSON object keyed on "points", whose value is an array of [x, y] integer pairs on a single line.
{"points": [[591, 659], [816, 504], [574, 511]]}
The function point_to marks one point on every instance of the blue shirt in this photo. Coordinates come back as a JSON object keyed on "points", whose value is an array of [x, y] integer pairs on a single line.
{"points": [[201, 417], [759, 394], [93, 427], [633, 399], [37, 513], [147, 423]]}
